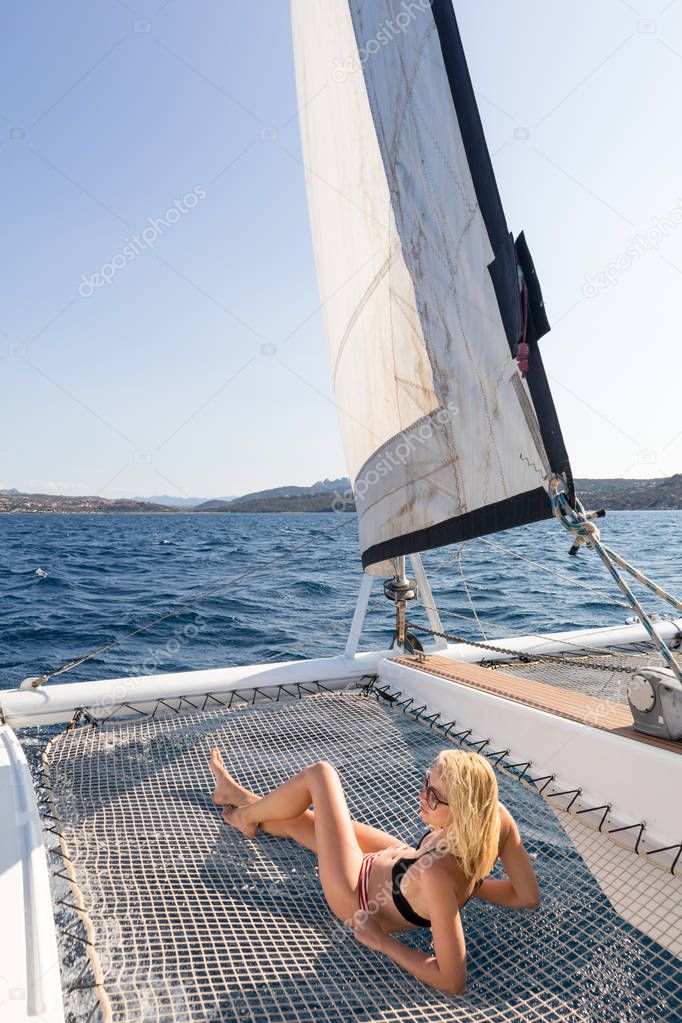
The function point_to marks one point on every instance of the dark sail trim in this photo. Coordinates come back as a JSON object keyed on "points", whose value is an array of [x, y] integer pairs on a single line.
{"points": [[470, 125], [488, 196], [536, 378], [505, 277], [492, 518], [503, 267]]}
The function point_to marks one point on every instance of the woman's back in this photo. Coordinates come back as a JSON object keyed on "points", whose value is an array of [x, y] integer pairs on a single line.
{"points": [[395, 883]]}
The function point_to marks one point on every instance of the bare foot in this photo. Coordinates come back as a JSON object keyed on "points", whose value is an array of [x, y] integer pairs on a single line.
{"points": [[227, 790], [237, 816]]}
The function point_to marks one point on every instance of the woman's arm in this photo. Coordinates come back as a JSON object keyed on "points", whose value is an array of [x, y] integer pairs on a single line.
{"points": [[519, 890], [422, 966]]}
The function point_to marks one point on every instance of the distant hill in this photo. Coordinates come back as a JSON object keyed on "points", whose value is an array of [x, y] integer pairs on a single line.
{"points": [[329, 495], [613, 494], [319, 497], [15, 501], [323, 501], [169, 501], [642, 495]]}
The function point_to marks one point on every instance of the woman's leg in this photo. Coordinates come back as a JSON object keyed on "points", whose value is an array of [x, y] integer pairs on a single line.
{"points": [[300, 829], [338, 851]]}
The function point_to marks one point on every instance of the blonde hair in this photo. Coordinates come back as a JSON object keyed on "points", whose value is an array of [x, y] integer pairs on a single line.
{"points": [[471, 792]]}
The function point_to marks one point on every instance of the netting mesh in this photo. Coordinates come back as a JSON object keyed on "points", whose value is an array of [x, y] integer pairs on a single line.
{"points": [[193, 922], [643, 894], [600, 675]]}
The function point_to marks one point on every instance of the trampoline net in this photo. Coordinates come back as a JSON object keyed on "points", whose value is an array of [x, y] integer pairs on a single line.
{"points": [[190, 921], [601, 675]]}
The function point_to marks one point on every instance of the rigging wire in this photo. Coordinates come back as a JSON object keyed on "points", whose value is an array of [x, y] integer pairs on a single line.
{"points": [[580, 648], [458, 558], [556, 572], [579, 523], [527, 657], [536, 564]]}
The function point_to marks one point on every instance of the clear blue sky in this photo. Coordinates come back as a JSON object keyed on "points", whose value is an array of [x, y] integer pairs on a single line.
{"points": [[155, 383]]}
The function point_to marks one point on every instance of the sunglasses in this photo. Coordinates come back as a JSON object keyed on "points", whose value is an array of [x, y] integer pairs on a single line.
{"points": [[432, 797]]}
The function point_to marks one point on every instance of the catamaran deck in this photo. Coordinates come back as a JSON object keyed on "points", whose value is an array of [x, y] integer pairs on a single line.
{"points": [[603, 713], [189, 921]]}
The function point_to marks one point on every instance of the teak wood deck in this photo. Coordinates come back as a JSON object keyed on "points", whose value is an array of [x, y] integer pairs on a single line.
{"points": [[588, 710]]}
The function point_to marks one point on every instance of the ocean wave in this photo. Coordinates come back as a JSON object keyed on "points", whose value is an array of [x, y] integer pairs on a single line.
{"points": [[106, 576]]}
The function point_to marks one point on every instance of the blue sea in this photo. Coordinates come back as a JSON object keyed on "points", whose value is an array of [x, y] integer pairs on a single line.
{"points": [[283, 586]]}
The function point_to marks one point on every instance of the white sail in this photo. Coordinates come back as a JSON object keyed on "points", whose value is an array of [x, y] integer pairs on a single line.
{"points": [[419, 282]]}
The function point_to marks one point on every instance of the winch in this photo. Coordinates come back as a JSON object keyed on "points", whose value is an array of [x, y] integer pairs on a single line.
{"points": [[655, 698]]}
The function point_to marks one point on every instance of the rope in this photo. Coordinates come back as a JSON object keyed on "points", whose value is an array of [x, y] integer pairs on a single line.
{"points": [[280, 955], [503, 762], [458, 557], [481, 622], [555, 572], [640, 577]]}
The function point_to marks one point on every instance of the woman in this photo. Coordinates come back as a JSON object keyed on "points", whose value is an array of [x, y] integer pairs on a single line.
{"points": [[364, 872]]}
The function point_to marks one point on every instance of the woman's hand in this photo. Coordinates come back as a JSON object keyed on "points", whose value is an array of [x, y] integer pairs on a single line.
{"points": [[519, 890], [367, 930]]}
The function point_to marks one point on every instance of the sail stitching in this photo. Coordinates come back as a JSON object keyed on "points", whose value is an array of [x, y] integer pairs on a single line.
{"points": [[395, 197], [464, 338], [391, 242], [454, 459], [445, 258], [532, 423]]}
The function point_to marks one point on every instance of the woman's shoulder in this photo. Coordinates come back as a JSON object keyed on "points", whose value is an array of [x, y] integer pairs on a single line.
{"points": [[444, 879], [505, 816], [507, 824], [439, 860]]}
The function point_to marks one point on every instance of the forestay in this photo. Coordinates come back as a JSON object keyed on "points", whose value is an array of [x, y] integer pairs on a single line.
{"points": [[424, 293]]}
